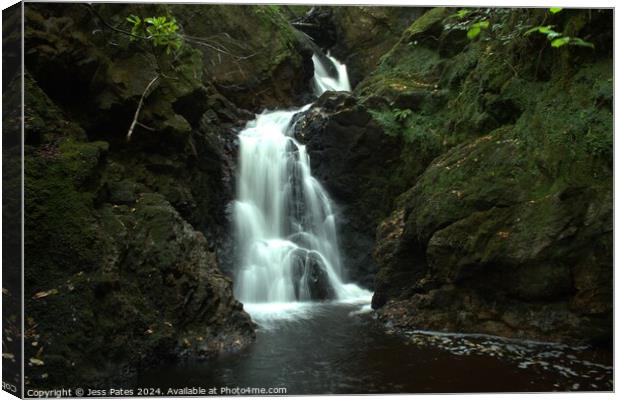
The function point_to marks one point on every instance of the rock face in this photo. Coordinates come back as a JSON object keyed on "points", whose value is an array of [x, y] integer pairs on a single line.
{"points": [[491, 246], [127, 239], [310, 271], [134, 283], [341, 137], [364, 34], [497, 233], [270, 66]]}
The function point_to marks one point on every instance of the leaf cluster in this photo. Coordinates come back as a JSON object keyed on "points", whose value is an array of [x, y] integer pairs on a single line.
{"points": [[470, 20], [162, 31], [558, 39]]}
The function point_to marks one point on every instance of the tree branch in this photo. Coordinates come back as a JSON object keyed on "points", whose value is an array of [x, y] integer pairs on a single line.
{"points": [[140, 104]]}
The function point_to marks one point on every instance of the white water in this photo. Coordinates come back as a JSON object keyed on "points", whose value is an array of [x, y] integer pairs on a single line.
{"points": [[323, 82], [286, 227]]}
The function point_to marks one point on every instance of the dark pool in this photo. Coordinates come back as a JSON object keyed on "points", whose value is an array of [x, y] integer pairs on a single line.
{"points": [[336, 350]]}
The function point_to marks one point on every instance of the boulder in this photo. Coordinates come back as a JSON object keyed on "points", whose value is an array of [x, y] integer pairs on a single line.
{"points": [[310, 279], [487, 234], [342, 138]]}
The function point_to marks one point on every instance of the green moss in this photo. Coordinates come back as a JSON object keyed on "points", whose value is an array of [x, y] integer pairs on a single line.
{"points": [[44, 121], [427, 21], [60, 228], [572, 115]]}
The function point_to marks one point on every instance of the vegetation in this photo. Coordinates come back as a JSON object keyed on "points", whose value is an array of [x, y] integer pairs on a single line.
{"points": [[476, 21], [413, 127], [558, 39], [162, 31]]}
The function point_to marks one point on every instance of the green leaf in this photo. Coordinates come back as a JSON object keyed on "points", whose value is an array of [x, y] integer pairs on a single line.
{"points": [[540, 29], [462, 13], [546, 29], [555, 10], [473, 32], [402, 115], [161, 30], [482, 24], [134, 19], [559, 42], [581, 42], [476, 28]]}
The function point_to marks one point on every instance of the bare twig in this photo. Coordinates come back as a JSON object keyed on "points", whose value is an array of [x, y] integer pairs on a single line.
{"points": [[137, 114], [305, 24], [90, 6], [219, 49], [148, 128]]}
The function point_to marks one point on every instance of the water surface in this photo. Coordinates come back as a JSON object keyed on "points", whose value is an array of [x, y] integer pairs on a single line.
{"points": [[337, 349]]}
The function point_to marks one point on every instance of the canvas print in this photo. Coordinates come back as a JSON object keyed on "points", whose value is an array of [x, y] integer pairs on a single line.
{"points": [[225, 199]]}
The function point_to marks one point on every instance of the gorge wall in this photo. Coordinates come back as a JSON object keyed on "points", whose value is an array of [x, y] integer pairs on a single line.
{"points": [[485, 166]]}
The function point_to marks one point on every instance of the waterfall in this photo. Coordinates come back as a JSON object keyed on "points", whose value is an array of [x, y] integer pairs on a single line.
{"points": [[285, 222], [323, 82]]}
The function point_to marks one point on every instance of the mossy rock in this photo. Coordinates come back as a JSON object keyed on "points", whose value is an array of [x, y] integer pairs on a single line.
{"points": [[487, 218], [238, 60]]}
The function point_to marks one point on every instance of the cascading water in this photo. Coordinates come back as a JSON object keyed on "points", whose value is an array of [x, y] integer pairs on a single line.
{"points": [[323, 81], [285, 222]]}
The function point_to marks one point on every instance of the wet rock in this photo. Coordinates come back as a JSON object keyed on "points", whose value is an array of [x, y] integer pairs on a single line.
{"points": [[137, 281], [494, 235], [341, 137], [310, 279]]}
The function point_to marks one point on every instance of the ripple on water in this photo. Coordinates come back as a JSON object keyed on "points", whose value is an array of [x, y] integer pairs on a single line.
{"points": [[571, 364]]}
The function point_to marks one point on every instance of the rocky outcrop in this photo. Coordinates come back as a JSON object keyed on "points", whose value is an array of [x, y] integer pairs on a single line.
{"points": [[260, 62], [341, 138], [497, 233], [364, 34], [485, 242], [250, 53], [132, 281]]}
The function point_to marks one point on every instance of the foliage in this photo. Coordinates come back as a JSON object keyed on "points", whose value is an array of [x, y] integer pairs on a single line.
{"points": [[475, 29], [402, 115], [474, 21], [162, 31], [411, 126], [477, 20], [599, 144], [558, 39], [388, 121]]}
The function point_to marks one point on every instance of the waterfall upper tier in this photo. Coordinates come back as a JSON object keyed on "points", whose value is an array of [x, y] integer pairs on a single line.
{"points": [[324, 81]]}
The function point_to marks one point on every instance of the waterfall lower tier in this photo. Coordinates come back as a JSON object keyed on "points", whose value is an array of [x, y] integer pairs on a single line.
{"points": [[286, 226]]}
